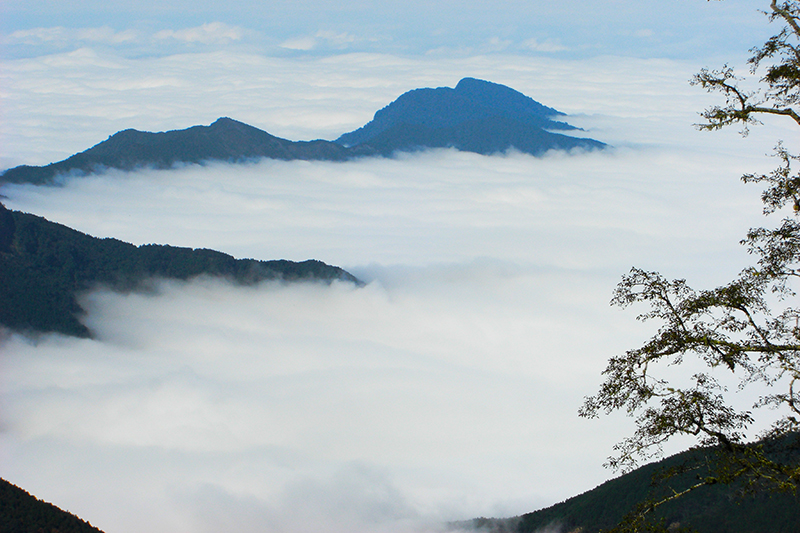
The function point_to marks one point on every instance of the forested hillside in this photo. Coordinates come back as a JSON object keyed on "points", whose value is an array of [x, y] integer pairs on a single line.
{"points": [[21, 512], [714, 508], [43, 265]]}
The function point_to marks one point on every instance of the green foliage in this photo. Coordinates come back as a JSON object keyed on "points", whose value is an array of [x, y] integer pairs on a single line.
{"points": [[47, 264], [22, 513], [654, 498], [730, 332], [780, 82]]}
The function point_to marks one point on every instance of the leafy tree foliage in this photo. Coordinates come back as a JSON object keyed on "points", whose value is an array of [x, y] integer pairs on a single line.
{"points": [[748, 329]]}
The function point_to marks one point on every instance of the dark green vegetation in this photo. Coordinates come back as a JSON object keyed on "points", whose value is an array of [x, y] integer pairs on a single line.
{"points": [[714, 508], [476, 116], [44, 265], [21, 512], [746, 331]]}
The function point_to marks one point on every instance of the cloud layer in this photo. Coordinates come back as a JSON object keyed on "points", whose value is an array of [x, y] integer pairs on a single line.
{"points": [[446, 388], [57, 105]]}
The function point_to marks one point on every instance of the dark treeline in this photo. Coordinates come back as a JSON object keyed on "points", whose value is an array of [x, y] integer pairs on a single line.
{"points": [[43, 265], [718, 508], [21, 512]]}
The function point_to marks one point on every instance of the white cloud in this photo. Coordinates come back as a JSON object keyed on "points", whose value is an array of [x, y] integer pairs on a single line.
{"points": [[304, 43], [137, 41], [107, 35], [337, 40], [72, 36], [397, 27], [449, 373], [496, 44], [38, 34], [321, 39], [64, 103], [448, 386], [431, 385], [546, 46], [209, 33]]}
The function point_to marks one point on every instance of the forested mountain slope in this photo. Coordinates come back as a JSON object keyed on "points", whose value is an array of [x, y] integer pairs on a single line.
{"points": [[21, 512], [43, 265], [718, 508]]}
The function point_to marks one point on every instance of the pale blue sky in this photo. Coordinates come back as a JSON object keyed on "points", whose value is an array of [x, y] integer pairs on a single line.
{"points": [[574, 28]]}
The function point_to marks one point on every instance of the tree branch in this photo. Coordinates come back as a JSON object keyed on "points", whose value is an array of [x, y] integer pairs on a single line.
{"points": [[788, 111]]}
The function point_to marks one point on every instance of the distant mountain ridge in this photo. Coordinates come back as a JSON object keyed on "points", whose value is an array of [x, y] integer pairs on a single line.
{"points": [[224, 140], [476, 116], [43, 265]]}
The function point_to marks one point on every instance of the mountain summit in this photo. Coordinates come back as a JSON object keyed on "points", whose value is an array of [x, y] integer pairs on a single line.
{"points": [[476, 116]]}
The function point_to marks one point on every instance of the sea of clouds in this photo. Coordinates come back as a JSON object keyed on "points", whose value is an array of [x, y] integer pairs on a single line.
{"points": [[447, 387]]}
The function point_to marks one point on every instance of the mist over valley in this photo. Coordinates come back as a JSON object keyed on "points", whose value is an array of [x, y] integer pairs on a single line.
{"points": [[447, 386]]}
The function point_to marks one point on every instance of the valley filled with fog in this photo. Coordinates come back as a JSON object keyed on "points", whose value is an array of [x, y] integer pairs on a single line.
{"points": [[448, 386]]}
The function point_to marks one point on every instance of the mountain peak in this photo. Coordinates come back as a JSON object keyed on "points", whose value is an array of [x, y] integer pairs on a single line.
{"points": [[227, 123], [496, 95], [476, 116], [225, 139]]}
